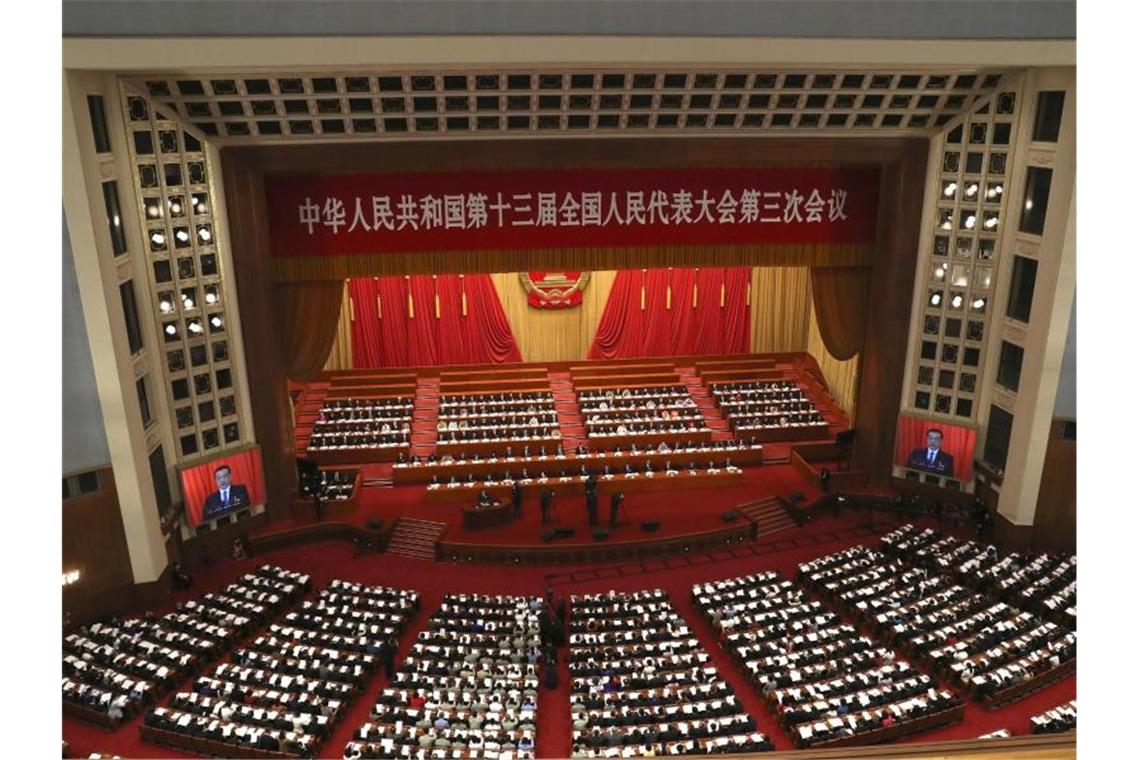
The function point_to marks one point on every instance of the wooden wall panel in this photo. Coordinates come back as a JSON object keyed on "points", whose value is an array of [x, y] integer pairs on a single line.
{"points": [[95, 544], [264, 360], [902, 185], [1055, 520], [781, 303]]}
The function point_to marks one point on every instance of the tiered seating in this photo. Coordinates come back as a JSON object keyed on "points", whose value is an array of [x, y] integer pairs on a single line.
{"points": [[640, 411], [642, 683], [514, 416], [112, 669], [987, 647], [468, 688], [766, 406], [1046, 584], [447, 471], [826, 684], [362, 423], [288, 687], [1056, 721]]}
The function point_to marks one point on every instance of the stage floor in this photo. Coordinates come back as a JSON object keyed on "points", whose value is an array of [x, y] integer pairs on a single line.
{"points": [[680, 512]]}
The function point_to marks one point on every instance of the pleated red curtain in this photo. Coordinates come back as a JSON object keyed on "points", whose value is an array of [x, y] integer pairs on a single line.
{"points": [[367, 350], [839, 295], [680, 313], [432, 321]]}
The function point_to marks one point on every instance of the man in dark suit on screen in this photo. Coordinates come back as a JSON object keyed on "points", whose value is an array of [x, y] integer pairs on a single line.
{"points": [[932, 458], [227, 496]]}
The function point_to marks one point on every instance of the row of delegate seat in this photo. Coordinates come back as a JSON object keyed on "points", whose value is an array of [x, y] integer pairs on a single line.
{"points": [[286, 689], [1045, 583], [362, 423], [764, 405], [466, 689], [976, 643], [1055, 721], [112, 669], [824, 681], [643, 684]]}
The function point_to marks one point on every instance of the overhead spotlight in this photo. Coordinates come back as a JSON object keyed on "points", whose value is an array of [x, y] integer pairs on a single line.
{"points": [[1028, 205], [188, 302], [198, 204], [116, 220], [157, 238], [971, 189], [195, 327], [165, 306], [935, 299], [216, 321], [1000, 189], [970, 220], [991, 193], [940, 272], [950, 189], [171, 329], [182, 235], [979, 303], [152, 211], [204, 234], [991, 223], [956, 301], [211, 297], [175, 207], [946, 224]]}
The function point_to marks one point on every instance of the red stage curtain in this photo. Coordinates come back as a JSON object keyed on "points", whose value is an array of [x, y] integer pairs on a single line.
{"points": [[308, 313], [490, 338], [737, 318], [840, 298], [621, 306], [956, 440], [673, 326], [420, 338], [393, 324], [366, 345]]}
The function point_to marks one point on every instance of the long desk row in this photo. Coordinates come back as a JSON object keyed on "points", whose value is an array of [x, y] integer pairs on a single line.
{"points": [[572, 463], [576, 485]]}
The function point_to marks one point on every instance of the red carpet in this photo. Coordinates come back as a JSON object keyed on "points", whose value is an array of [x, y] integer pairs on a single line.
{"points": [[334, 560]]}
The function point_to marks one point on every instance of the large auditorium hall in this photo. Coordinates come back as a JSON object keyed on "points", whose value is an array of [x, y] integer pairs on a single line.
{"points": [[775, 453]]}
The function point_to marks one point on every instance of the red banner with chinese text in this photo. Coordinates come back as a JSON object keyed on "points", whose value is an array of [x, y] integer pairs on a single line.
{"points": [[355, 214]]}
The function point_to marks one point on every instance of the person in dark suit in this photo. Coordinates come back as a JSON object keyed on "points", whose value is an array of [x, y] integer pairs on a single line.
{"points": [[615, 505], [545, 500], [592, 506], [932, 458], [228, 496], [517, 499]]}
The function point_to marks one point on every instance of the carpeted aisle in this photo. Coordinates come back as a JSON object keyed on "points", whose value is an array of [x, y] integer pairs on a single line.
{"points": [[325, 562]]}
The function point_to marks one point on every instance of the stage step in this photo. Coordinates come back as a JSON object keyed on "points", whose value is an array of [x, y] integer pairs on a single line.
{"points": [[425, 417], [714, 418], [415, 538], [768, 515], [566, 407]]}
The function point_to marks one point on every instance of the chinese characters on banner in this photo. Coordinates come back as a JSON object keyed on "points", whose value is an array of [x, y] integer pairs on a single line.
{"points": [[368, 214]]}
